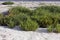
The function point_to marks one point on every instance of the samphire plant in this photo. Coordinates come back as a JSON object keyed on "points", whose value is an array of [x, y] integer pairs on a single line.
{"points": [[29, 25], [8, 3], [30, 20], [57, 28], [50, 28], [1, 19]]}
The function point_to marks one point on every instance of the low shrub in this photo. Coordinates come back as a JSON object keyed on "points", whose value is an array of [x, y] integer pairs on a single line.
{"points": [[29, 25], [54, 28], [20, 17], [42, 17], [46, 17], [44, 21], [25, 22], [53, 9], [57, 28], [18, 14], [8, 3], [9, 21], [50, 28], [17, 10], [11, 24], [1, 19]]}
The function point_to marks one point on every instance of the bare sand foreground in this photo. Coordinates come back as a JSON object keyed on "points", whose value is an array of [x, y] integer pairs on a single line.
{"points": [[10, 34]]}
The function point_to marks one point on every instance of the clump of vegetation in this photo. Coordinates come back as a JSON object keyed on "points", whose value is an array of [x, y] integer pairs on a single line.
{"points": [[29, 25], [21, 16], [50, 28], [52, 8], [11, 24], [17, 10], [30, 20], [1, 19], [44, 21], [8, 3], [57, 28], [54, 28], [9, 21]]}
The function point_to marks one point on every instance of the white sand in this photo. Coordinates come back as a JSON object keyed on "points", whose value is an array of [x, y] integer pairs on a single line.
{"points": [[10, 34], [27, 4]]}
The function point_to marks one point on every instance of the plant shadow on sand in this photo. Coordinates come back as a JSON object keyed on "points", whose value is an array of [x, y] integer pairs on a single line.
{"points": [[15, 28], [39, 30], [42, 30], [5, 12]]}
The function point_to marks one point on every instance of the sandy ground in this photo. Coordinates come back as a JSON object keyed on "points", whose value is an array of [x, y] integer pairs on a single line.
{"points": [[34, 4], [11, 34]]}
